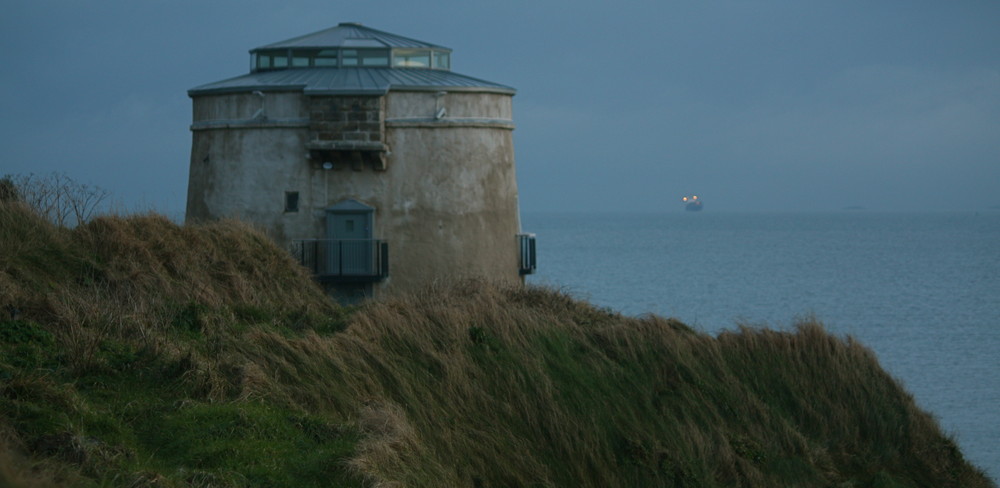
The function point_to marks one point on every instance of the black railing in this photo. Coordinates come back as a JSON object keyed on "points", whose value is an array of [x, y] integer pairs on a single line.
{"points": [[344, 260], [527, 244]]}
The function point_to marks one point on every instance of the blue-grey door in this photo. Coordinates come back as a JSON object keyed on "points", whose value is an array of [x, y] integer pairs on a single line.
{"points": [[349, 229]]}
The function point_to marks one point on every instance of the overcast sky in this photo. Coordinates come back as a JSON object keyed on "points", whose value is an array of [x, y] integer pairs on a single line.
{"points": [[752, 105]]}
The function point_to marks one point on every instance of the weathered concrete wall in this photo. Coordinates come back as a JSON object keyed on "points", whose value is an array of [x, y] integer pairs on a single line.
{"points": [[446, 201], [243, 158], [244, 106], [457, 104]]}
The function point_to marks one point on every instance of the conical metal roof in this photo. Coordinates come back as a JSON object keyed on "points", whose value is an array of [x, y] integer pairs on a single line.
{"points": [[314, 79], [351, 81], [351, 34]]}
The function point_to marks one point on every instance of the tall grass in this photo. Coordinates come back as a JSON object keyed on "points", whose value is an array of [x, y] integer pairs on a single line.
{"points": [[135, 352]]}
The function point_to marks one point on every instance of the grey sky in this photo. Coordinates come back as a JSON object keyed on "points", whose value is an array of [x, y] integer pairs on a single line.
{"points": [[753, 105]]}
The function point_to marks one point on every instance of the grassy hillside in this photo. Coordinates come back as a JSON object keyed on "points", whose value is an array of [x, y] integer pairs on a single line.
{"points": [[135, 352]]}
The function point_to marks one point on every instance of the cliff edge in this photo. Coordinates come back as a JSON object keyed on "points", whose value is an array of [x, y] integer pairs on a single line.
{"points": [[136, 352]]}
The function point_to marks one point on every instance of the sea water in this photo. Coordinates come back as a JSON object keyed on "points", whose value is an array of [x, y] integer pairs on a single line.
{"points": [[922, 290]]}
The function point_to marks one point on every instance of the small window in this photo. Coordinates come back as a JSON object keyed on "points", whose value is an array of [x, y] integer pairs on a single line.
{"points": [[375, 58], [300, 59], [350, 57], [326, 57], [273, 58], [366, 57], [411, 58], [442, 60], [291, 201]]}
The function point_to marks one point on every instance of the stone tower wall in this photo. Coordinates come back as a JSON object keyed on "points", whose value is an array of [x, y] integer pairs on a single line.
{"points": [[442, 180]]}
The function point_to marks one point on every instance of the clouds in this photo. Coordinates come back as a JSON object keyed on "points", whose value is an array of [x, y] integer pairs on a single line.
{"points": [[810, 107], [751, 104]]}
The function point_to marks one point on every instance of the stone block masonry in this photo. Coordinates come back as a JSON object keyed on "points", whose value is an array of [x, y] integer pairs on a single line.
{"points": [[346, 119]]}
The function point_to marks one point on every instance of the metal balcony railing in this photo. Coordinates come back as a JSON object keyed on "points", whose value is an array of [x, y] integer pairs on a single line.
{"points": [[528, 260], [344, 260]]}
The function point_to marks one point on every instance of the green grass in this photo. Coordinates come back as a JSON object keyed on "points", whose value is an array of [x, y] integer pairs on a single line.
{"points": [[248, 443], [133, 415], [136, 352]]}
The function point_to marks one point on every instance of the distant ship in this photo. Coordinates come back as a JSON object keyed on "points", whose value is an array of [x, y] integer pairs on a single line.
{"points": [[692, 203]]}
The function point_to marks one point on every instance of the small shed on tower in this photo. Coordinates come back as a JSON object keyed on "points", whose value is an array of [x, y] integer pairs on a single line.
{"points": [[362, 152]]}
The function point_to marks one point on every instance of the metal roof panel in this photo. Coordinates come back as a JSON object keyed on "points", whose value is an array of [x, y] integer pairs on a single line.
{"points": [[375, 81]]}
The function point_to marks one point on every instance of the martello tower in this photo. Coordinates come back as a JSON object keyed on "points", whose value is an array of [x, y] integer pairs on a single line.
{"points": [[380, 168]]}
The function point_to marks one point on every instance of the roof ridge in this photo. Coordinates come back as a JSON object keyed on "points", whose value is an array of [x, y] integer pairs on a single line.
{"points": [[336, 35]]}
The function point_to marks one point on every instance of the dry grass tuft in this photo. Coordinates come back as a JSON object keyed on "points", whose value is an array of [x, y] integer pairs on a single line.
{"points": [[390, 444]]}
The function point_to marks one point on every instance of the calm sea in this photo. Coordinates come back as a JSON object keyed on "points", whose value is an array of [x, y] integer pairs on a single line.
{"points": [[920, 289]]}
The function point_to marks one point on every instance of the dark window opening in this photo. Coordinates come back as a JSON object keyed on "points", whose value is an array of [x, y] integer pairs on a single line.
{"points": [[355, 160], [291, 201]]}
